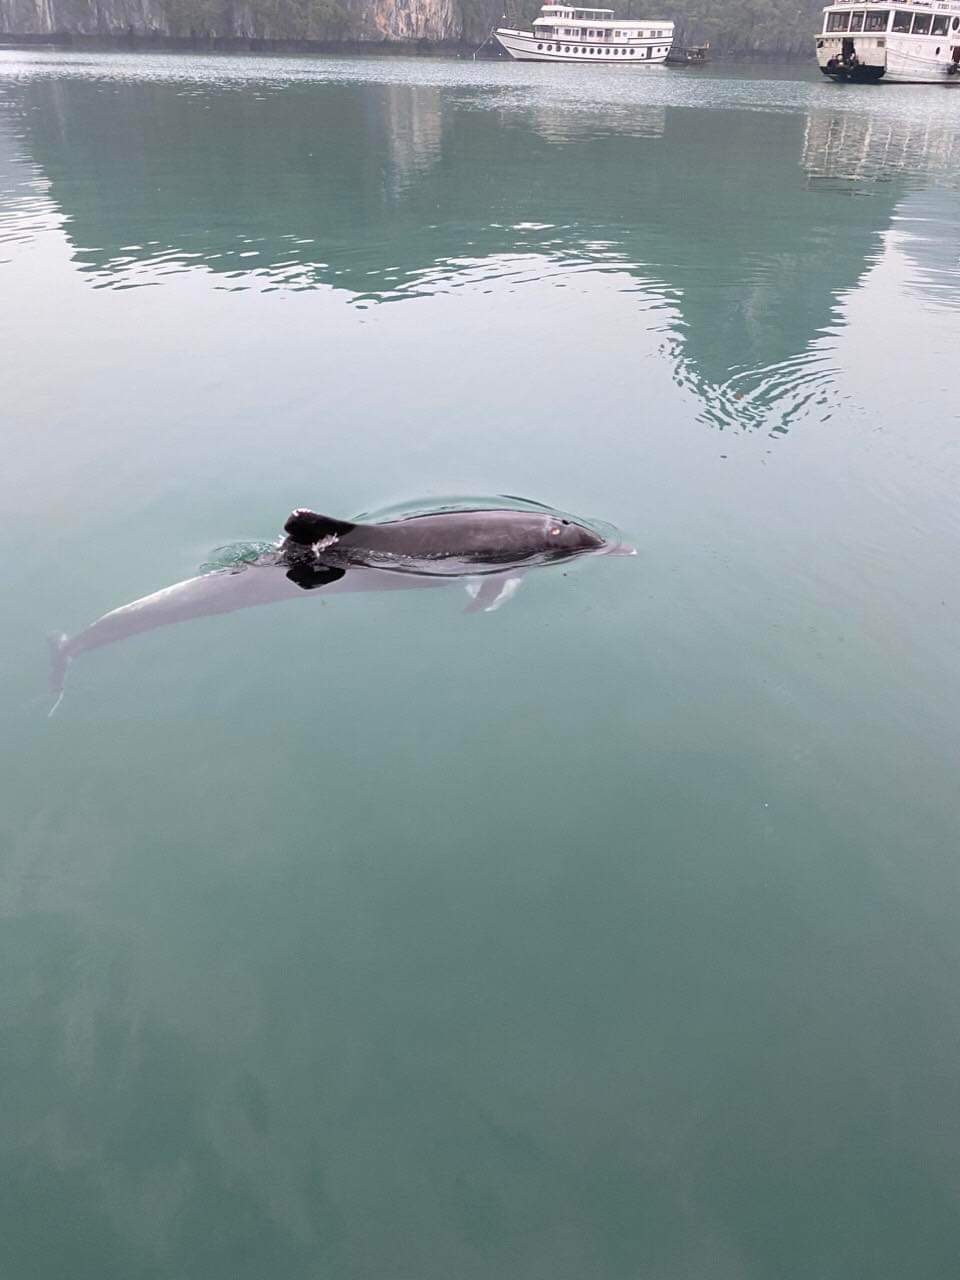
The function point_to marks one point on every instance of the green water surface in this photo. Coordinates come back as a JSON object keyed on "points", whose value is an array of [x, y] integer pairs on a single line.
{"points": [[610, 936]]}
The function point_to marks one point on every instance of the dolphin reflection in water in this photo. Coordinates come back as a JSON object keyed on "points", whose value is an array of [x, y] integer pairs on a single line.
{"points": [[488, 548]]}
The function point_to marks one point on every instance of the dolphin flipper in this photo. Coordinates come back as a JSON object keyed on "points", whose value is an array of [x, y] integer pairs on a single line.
{"points": [[491, 593], [59, 661]]}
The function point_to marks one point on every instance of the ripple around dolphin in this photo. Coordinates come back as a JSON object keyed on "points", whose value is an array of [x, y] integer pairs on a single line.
{"points": [[408, 507], [236, 555]]}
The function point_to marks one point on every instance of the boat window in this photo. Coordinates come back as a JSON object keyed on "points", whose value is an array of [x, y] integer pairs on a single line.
{"points": [[921, 24], [838, 22], [876, 21], [856, 22], [539, 46], [940, 24], [901, 21], [955, 23]]}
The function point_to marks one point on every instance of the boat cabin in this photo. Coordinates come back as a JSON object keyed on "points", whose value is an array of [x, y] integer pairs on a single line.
{"points": [[902, 19], [558, 21]]}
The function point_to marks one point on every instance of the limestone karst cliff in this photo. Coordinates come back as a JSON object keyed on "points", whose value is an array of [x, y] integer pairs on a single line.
{"points": [[355, 20], [734, 26]]}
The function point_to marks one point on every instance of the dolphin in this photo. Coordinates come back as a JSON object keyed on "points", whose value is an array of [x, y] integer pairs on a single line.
{"points": [[487, 548], [443, 543]]}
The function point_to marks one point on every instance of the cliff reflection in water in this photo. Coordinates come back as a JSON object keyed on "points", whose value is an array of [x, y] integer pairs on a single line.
{"points": [[618, 941], [394, 192]]}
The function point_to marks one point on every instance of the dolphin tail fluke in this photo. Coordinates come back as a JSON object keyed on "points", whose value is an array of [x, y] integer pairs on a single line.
{"points": [[59, 661]]}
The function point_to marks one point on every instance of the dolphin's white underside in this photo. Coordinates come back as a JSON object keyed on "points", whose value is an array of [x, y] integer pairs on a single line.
{"points": [[229, 590]]}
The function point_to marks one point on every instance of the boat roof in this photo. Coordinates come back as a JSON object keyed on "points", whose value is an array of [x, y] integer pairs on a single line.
{"points": [[945, 6]]}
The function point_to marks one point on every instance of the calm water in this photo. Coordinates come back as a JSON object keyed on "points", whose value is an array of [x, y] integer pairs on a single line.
{"points": [[611, 936]]}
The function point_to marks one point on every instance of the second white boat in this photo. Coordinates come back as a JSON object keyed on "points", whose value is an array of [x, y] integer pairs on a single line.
{"points": [[561, 34]]}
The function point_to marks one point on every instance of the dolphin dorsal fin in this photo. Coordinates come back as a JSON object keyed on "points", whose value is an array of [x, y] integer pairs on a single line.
{"points": [[307, 527]]}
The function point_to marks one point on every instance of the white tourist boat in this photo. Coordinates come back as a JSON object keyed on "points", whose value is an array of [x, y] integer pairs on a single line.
{"points": [[561, 34], [903, 43]]}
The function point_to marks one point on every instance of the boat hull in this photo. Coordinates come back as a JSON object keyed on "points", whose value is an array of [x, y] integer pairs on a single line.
{"points": [[905, 60], [524, 46]]}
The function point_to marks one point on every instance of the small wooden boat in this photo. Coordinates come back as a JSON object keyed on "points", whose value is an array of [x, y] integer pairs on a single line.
{"points": [[693, 55]]}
